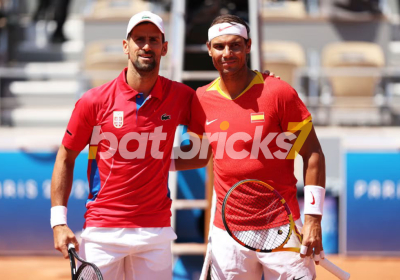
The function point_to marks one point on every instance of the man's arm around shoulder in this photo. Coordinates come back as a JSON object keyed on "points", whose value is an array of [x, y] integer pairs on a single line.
{"points": [[193, 157]]}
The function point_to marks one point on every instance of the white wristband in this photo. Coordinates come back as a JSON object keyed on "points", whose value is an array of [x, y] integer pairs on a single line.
{"points": [[58, 216], [314, 197]]}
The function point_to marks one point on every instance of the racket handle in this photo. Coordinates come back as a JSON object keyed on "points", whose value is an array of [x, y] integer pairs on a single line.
{"points": [[72, 261], [71, 246], [206, 264], [334, 269]]}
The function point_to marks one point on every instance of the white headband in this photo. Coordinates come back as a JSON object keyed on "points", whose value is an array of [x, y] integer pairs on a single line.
{"points": [[227, 28]]}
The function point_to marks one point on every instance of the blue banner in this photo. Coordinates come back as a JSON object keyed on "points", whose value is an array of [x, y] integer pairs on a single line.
{"points": [[373, 203], [25, 180]]}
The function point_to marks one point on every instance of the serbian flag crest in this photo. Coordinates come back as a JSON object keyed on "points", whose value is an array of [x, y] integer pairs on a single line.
{"points": [[118, 119]]}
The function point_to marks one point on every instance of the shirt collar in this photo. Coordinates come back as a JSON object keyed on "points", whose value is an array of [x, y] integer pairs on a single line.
{"points": [[130, 92], [258, 79]]}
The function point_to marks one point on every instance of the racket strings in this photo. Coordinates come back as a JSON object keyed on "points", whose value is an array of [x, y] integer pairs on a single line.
{"points": [[87, 272], [257, 217], [264, 239]]}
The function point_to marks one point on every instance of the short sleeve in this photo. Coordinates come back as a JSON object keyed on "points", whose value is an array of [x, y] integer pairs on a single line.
{"points": [[80, 126], [198, 118], [290, 108]]}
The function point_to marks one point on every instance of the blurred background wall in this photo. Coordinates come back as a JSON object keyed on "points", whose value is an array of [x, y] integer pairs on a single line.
{"points": [[342, 57]]}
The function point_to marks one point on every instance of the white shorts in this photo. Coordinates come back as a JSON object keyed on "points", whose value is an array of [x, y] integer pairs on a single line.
{"points": [[129, 254], [230, 260]]}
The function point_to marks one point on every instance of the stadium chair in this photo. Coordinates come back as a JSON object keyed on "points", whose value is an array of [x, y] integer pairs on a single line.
{"points": [[39, 103], [113, 9], [104, 60], [283, 10], [355, 92], [283, 58]]}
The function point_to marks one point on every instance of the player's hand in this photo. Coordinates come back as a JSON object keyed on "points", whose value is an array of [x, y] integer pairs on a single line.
{"points": [[312, 237], [272, 74], [63, 235]]}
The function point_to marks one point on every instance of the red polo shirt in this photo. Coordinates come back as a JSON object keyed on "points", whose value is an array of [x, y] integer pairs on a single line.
{"points": [[130, 150], [264, 108]]}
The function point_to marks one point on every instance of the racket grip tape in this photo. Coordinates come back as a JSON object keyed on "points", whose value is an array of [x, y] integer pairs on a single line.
{"points": [[334, 269]]}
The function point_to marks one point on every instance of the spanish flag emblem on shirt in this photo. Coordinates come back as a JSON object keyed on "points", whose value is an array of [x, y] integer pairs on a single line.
{"points": [[257, 117]]}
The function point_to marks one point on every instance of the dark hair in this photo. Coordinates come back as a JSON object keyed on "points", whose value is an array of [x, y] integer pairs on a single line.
{"points": [[231, 19]]}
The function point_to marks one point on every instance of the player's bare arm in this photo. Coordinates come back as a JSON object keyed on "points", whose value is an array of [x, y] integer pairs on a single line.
{"points": [[193, 163], [61, 184], [314, 174]]}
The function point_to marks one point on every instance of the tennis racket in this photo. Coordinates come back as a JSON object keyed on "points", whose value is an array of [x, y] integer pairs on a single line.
{"points": [[86, 271], [257, 217]]}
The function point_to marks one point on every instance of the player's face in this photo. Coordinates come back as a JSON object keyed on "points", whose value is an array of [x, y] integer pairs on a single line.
{"points": [[144, 47], [229, 52]]}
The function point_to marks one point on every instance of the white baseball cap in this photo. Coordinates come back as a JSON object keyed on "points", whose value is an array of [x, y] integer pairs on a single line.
{"points": [[142, 17]]}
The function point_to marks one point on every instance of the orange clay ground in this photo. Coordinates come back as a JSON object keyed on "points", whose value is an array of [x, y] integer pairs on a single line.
{"points": [[56, 268]]}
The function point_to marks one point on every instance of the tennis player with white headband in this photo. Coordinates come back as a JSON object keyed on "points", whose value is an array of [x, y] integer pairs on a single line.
{"points": [[227, 105]]}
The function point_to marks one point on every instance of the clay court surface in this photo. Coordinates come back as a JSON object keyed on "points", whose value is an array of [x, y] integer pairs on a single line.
{"points": [[56, 268]]}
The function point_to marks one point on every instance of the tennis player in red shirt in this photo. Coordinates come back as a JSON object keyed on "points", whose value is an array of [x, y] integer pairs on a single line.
{"points": [[129, 125], [241, 115]]}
